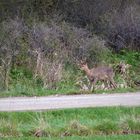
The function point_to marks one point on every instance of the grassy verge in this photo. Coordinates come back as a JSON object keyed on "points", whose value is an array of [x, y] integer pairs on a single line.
{"points": [[66, 91], [70, 91], [40, 92], [72, 123], [116, 137]]}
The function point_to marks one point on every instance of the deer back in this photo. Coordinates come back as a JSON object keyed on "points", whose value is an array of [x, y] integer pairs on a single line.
{"points": [[102, 72]]}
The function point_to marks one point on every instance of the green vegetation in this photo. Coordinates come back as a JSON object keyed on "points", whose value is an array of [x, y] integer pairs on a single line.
{"points": [[117, 137], [86, 123], [23, 83]]}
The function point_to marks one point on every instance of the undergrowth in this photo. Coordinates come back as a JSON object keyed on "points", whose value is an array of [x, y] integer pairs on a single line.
{"points": [[68, 123], [23, 83]]}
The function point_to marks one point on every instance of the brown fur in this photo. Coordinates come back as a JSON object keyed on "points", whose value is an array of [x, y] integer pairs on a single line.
{"points": [[100, 73]]}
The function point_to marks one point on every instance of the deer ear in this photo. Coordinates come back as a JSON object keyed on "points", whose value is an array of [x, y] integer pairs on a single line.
{"points": [[83, 62]]}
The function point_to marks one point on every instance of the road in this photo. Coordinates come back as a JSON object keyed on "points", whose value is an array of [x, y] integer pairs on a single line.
{"points": [[69, 101]]}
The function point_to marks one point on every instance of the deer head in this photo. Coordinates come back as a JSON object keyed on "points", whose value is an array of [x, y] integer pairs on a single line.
{"points": [[82, 63], [84, 67]]}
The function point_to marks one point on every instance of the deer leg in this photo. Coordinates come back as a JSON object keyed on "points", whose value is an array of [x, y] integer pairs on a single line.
{"points": [[113, 83], [92, 86], [110, 85], [105, 84]]}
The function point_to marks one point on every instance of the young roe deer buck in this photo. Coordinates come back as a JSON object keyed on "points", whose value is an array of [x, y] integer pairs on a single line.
{"points": [[99, 73]]}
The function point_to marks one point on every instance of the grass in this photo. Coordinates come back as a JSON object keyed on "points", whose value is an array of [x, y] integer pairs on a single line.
{"points": [[116, 137], [45, 92], [118, 90], [39, 92], [29, 91], [72, 123]]}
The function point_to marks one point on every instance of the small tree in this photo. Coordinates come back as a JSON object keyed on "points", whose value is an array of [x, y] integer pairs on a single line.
{"points": [[9, 33]]}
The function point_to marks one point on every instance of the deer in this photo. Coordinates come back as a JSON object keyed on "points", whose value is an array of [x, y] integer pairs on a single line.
{"points": [[99, 73]]}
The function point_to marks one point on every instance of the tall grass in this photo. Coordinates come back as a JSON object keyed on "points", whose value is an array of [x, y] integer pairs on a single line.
{"points": [[76, 122]]}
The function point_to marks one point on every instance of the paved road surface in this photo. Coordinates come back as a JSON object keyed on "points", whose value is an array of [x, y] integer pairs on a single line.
{"points": [[70, 101]]}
